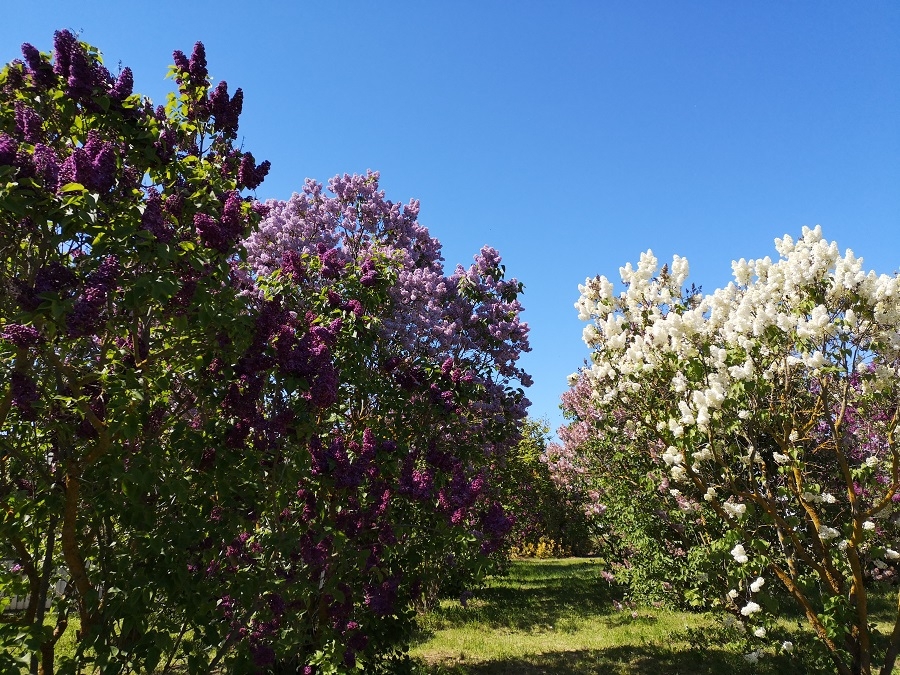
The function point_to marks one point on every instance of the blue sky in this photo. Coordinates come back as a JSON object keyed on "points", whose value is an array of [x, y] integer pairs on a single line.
{"points": [[570, 136]]}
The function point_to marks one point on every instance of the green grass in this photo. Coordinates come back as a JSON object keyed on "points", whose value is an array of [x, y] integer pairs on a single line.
{"points": [[557, 617]]}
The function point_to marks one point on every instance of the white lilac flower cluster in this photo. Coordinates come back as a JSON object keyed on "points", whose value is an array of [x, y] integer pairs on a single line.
{"points": [[635, 332], [702, 366], [734, 510], [824, 498], [751, 607], [739, 554], [652, 325], [826, 533]]}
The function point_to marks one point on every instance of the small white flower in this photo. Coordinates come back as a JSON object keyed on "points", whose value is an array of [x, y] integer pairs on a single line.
{"points": [[674, 493], [703, 455], [750, 608], [880, 564], [794, 436], [739, 554], [742, 271], [891, 554], [828, 498], [868, 525], [827, 533], [703, 417], [760, 632], [817, 360], [732, 594], [787, 646], [734, 510], [756, 585], [672, 455], [871, 461], [780, 459], [710, 494], [752, 657]]}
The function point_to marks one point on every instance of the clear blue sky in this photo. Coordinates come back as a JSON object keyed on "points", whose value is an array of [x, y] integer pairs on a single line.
{"points": [[570, 136]]}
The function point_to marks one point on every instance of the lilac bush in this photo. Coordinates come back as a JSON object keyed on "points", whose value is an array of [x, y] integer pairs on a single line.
{"points": [[113, 303], [769, 410], [254, 449], [445, 348], [473, 313]]}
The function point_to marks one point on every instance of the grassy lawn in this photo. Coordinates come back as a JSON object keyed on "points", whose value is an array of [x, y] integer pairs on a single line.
{"points": [[556, 617]]}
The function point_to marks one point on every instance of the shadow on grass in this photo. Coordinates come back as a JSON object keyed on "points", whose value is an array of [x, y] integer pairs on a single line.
{"points": [[536, 594], [630, 660], [883, 602]]}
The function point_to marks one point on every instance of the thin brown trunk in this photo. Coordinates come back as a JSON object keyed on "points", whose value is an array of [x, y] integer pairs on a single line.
{"points": [[862, 646], [31, 573], [184, 627], [47, 658], [47, 646], [48, 649], [71, 552], [813, 619], [859, 637]]}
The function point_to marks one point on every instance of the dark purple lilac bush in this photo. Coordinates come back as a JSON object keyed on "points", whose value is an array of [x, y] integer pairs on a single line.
{"points": [[238, 435]]}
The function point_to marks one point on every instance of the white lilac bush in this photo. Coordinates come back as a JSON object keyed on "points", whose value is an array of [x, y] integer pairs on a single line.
{"points": [[769, 410]]}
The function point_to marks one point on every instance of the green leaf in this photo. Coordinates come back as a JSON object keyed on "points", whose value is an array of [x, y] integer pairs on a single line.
{"points": [[73, 187]]}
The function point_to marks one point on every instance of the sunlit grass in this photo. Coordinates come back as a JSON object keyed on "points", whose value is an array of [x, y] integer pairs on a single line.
{"points": [[558, 617]]}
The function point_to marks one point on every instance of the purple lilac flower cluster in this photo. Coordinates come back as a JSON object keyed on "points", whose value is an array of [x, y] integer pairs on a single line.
{"points": [[381, 598], [87, 313], [223, 233], [70, 63], [25, 394], [472, 312], [154, 217], [29, 124], [226, 111], [53, 279], [9, 148], [31, 150], [347, 463], [80, 74], [250, 174], [92, 165], [21, 336], [191, 71]]}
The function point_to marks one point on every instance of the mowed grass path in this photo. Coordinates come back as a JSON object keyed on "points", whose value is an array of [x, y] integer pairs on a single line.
{"points": [[556, 617]]}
